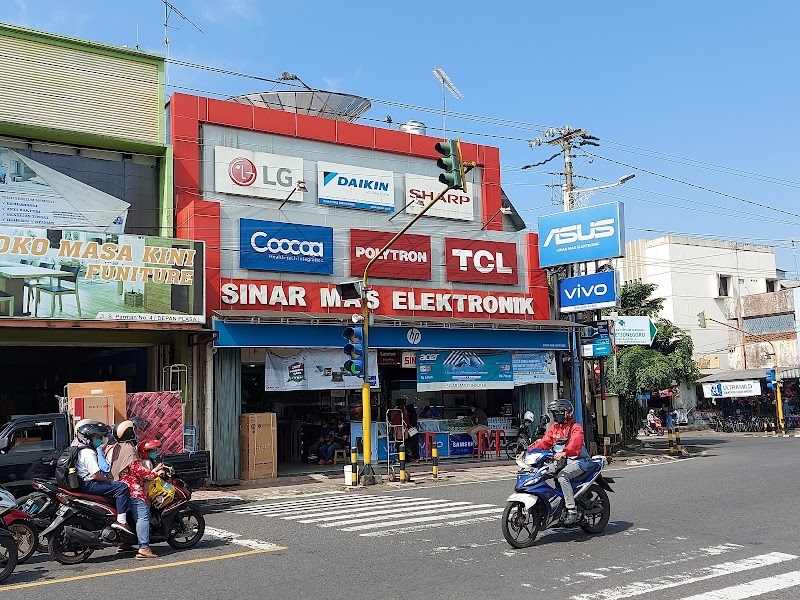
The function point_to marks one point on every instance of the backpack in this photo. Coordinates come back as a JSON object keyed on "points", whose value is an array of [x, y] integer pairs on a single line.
{"points": [[66, 464]]}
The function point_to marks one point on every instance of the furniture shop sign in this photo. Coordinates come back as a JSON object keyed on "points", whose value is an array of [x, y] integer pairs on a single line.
{"points": [[463, 370], [288, 247], [582, 235], [355, 187], [588, 292], [257, 174], [732, 389], [62, 274]]}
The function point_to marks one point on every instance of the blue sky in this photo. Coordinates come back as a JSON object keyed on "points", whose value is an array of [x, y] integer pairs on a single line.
{"points": [[704, 92]]}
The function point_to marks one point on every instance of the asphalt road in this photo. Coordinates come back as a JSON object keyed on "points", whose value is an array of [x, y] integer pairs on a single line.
{"points": [[679, 530]]}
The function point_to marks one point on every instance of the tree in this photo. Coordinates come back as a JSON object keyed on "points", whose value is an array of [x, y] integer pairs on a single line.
{"points": [[641, 369]]}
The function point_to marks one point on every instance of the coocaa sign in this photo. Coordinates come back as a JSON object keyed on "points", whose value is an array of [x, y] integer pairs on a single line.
{"points": [[582, 235], [271, 246], [598, 290]]}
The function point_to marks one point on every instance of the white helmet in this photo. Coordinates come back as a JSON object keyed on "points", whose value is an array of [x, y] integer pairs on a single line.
{"points": [[528, 416], [652, 411]]}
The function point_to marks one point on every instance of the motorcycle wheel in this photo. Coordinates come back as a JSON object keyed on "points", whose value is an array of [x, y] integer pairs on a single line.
{"points": [[186, 530], [513, 448], [8, 557], [660, 431], [596, 523], [66, 551], [520, 526], [27, 539]]}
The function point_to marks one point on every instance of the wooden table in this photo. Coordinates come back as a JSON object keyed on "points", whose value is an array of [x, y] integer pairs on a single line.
{"points": [[12, 278]]}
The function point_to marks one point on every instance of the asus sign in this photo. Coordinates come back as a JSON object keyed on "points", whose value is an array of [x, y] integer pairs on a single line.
{"points": [[582, 235]]}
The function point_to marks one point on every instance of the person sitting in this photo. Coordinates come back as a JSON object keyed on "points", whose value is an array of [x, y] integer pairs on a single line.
{"points": [[92, 436], [481, 422], [338, 440], [127, 468], [325, 438], [427, 412]]}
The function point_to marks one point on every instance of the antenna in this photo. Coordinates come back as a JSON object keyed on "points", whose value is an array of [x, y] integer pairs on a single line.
{"points": [[447, 84], [137, 35], [168, 9]]}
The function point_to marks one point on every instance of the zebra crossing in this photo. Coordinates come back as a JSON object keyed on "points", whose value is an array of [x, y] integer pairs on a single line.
{"points": [[371, 515]]}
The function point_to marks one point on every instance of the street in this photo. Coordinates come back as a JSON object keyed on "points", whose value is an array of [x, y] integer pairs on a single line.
{"points": [[679, 530]]}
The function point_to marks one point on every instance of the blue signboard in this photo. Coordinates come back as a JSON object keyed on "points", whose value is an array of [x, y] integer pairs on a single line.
{"points": [[273, 246], [534, 367], [588, 292], [599, 346], [460, 444], [582, 235], [462, 370]]}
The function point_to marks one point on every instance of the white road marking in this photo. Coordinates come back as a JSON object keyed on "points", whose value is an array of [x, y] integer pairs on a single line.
{"points": [[387, 515], [424, 519], [423, 527], [235, 538], [671, 581], [404, 506], [752, 588]]}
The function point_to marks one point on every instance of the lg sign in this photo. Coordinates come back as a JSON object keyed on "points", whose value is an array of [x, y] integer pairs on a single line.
{"points": [[257, 174], [242, 171], [480, 261]]}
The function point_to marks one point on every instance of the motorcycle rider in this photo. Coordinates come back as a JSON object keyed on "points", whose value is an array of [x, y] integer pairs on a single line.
{"points": [[651, 419], [94, 481], [565, 437]]}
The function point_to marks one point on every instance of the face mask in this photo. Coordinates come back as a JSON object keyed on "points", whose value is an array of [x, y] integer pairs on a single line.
{"points": [[559, 418], [97, 443], [152, 455]]}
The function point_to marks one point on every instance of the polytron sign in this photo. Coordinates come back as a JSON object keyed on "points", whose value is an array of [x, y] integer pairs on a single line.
{"points": [[408, 258], [582, 235], [257, 174], [355, 187], [481, 261], [272, 246], [455, 204]]}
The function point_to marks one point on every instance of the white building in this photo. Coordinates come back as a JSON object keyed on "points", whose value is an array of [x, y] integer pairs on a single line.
{"points": [[696, 275]]}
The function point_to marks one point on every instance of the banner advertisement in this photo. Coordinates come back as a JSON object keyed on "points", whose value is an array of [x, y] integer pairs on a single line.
{"points": [[409, 258], [460, 370], [582, 235], [480, 261], [273, 246], [732, 389], [534, 367], [588, 292], [35, 195], [65, 274], [455, 204], [315, 369], [257, 174], [355, 187]]}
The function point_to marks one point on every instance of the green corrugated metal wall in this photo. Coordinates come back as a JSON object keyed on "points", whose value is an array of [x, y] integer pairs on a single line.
{"points": [[227, 410]]}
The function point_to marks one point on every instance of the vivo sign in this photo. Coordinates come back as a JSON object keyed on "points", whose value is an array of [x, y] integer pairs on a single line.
{"points": [[588, 292], [582, 235], [272, 246]]}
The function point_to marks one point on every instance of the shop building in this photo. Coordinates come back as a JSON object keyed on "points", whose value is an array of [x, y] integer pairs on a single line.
{"points": [[93, 284], [465, 279]]}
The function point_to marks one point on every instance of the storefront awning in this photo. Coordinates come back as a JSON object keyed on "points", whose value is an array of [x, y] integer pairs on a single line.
{"points": [[789, 372]]}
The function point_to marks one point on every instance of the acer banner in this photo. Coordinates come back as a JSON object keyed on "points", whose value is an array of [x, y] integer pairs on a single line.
{"points": [[588, 292], [582, 235]]}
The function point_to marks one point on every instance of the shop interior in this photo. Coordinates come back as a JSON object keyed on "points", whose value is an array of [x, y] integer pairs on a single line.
{"points": [[32, 376]]}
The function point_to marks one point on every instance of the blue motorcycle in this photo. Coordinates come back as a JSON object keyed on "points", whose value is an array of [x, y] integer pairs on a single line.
{"points": [[538, 502]]}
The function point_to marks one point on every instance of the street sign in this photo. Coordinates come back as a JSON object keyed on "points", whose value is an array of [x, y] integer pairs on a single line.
{"points": [[634, 331], [600, 346], [732, 389]]}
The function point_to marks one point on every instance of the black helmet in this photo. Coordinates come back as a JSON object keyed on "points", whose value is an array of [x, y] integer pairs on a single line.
{"points": [[86, 431], [561, 406]]}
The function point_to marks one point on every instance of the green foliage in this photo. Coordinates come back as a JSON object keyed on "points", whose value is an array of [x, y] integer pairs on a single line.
{"points": [[635, 300]]}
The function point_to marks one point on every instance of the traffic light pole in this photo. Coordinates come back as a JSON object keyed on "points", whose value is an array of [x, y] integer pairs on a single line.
{"points": [[778, 401], [366, 402]]}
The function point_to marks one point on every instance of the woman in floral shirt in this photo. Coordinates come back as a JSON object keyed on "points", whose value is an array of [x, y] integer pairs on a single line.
{"points": [[126, 467]]}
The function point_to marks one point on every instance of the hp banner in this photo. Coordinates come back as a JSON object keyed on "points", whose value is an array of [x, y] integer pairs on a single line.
{"points": [[582, 235], [460, 370], [588, 292], [272, 246]]}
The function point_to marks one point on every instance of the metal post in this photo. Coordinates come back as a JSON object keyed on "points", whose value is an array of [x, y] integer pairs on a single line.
{"points": [[435, 456], [354, 466], [402, 456], [678, 446], [669, 438]]}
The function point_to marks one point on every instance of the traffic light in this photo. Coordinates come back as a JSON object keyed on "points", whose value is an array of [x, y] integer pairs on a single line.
{"points": [[354, 349], [453, 176], [771, 383], [701, 319]]}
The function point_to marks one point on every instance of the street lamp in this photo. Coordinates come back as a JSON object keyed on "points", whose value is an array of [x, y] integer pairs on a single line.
{"points": [[506, 210], [622, 180], [300, 186]]}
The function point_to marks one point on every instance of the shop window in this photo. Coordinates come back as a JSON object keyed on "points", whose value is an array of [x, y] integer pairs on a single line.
{"points": [[32, 439]]}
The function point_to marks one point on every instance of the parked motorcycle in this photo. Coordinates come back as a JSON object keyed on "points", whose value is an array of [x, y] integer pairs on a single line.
{"points": [[21, 525], [653, 428], [525, 437], [41, 505], [538, 502], [83, 523], [8, 546]]}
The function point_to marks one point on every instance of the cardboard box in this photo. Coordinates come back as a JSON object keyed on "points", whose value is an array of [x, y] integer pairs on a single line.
{"points": [[96, 408], [258, 446], [116, 390]]}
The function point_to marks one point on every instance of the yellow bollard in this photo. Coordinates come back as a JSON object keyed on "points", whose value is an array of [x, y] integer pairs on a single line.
{"points": [[354, 466], [774, 430], [403, 473], [678, 442], [669, 437], [435, 458], [766, 431]]}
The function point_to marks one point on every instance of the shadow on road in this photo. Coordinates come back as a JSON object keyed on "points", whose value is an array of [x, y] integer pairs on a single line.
{"points": [[577, 534]]}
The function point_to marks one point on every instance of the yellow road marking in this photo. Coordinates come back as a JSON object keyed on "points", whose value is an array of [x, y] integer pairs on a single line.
{"points": [[179, 563]]}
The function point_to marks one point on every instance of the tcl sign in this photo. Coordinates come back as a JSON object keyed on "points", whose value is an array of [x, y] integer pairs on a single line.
{"points": [[408, 258], [481, 261]]}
